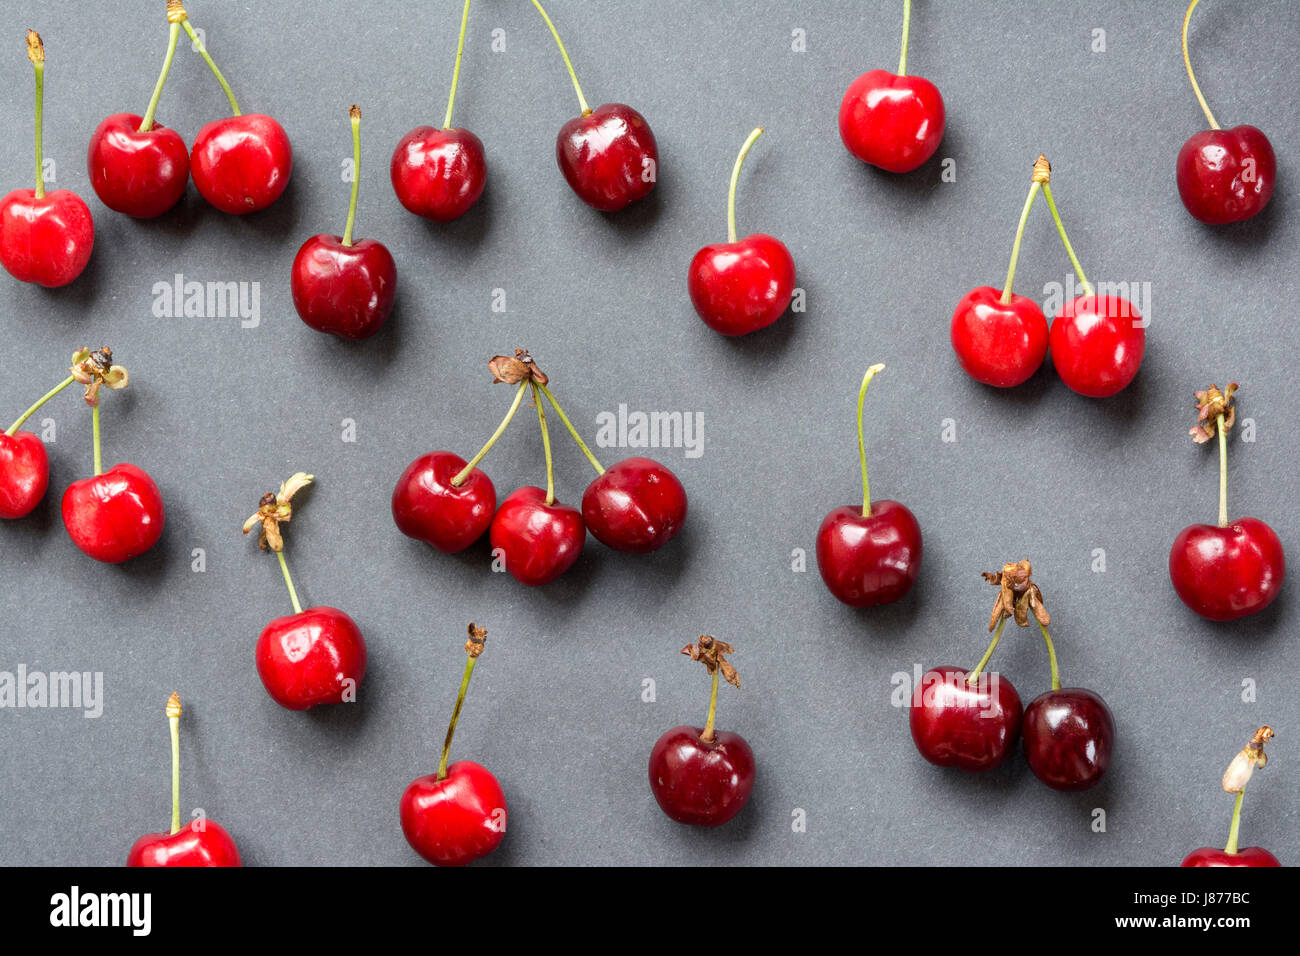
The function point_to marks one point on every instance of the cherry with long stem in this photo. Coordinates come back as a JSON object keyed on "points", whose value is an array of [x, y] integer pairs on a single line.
{"points": [[174, 719], [455, 73], [862, 445], [1065, 240], [202, 50], [907, 24], [464, 473], [36, 53], [750, 140], [568, 64], [473, 648], [354, 117], [546, 445], [1040, 178], [1191, 75], [173, 35]]}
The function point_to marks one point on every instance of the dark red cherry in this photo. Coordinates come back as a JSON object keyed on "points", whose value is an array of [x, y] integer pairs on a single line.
{"points": [[1217, 856], [141, 174], [539, 542], [456, 820], [45, 240], [1227, 573], [429, 508], [345, 290], [703, 783], [316, 656], [971, 727], [998, 343], [637, 505], [24, 474], [869, 560], [609, 156], [1097, 344], [115, 516], [1226, 175], [891, 121], [241, 164], [200, 843], [743, 286], [438, 173], [1069, 737]]}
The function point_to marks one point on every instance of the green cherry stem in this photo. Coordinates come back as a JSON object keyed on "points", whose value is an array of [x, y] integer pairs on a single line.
{"points": [[546, 444], [174, 32], [13, 429], [572, 431], [455, 717], [1051, 653], [907, 23], [94, 431], [1034, 189], [1223, 473], [203, 52], [862, 446], [735, 177], [707, 735], [459, 478], [974, 675], [455, 73], [36, 53], [354, 113], [1187, 61], [174, 718], [582, 100], [1233, 831], [293, 593], [1065, 240]]}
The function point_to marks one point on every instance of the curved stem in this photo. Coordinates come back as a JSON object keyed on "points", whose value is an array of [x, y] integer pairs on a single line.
{"points": [[22, 419], [1233, 831], [94, 432], [707, 735], [176, 772], [455, 717], [862, 447], [455, 73], [1020, 235], [907, 22], [39, 69], [1065, 240], [1051, 653], [174, 32], [460, 476], [355, 114], [735, 177], [572, 431], [582, 100], [974, 675], [1223, 473], [203, 52], [293, 593], [546, 444], [1187, 61]]}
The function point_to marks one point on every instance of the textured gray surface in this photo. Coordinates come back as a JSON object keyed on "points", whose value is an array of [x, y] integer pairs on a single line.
{"points": [[219, 414]]}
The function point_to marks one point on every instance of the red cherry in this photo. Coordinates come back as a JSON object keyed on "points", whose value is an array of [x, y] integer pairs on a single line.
{"points": [[539, 541], [242, 163], [972, 727], [24, 473], [608, 156], [699, 782], [1227, 573], [998, 343], [345, 290], [1217, 856], [427, 505], [439, 173], [190, 846], [46, 239], [456, 820], [140, 173], [1069, 738], [1226, 175], [636, 505], [891, 121], [313, 657], [114, 516], [1097, 344]]}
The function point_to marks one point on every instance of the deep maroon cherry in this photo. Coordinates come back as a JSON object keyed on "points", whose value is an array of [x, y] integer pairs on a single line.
{"points": [[1235, 778], [430, 506], [701, 775], [1069, 737], [635, 505], [967, 720], [537, 537]]}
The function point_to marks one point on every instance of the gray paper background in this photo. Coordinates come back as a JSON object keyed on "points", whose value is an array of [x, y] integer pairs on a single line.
{"points": [[219, 414]]}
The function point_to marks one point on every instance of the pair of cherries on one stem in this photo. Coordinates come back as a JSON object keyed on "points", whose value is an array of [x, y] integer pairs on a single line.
{"points": [[201, 842], [240, 164], [636, 505], [1097, 341], [314, 656], [1235, 778], [972, 720], [608, 155], [1235, 568]]}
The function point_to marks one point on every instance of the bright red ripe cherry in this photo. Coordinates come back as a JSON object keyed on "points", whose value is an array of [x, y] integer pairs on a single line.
{"points": [[24, 463], [538, 537], [635, 505], [608, 155], [310, 657], [700, 775], [742, 285], [117, 514], [430, 506], [341, 286], [968, 720], [1235, 779], [44, 238], [459, 814], [892, 120], [1236, 568], [1224, 175], [869, 555], [1097, 343], [202, 842]]}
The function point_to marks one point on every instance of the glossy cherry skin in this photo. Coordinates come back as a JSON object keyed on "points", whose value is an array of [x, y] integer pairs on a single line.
{"points": [[115, 516], [346, 291], [47, 241], [241, 164], [1069, 737], [456, 820], [972, 728], [540, 541], [998, 343], [743, 286], [609, 157], [438, 173], [1217, 856], [703, 783], [637, 505], [317, 656], [1097, 344], [1226, 573], [140, 174], [1226, 175], [188, 846], [869, 560], [24, 474], [429, 508], [891, 121]]}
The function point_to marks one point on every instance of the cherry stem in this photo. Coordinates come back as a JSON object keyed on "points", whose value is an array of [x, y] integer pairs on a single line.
{"points": [[862, 447], [572, 431], [1236, 817], [94, 431], [455, 717], [13, 429], [1065, 240], [146, 124], [907, 22], [974, 675], [39, 69], [175, 722], [1223, 473], [735, 177], [293, 593], [455, 73], [355, 114], [582, 100], [546, 444], [1051, 653], [1020, 235], [1187, 61], [459, 478], [707, 735], [203, 52]]}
